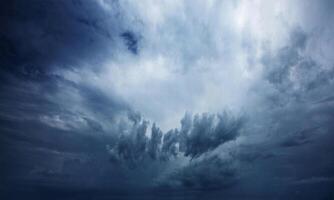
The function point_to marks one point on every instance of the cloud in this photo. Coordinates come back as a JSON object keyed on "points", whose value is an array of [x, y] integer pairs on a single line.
{"points": [[198, 135], [313, 180], [131, 41], [292, 72], [169, 145], [208, 173], [299, 138], [87, 79], [208, 132], [154, 146], [131, 144], [56, 34]]}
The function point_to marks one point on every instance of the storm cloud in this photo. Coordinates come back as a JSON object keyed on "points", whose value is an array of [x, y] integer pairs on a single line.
{"points": [[199, 134], [184, 99]]}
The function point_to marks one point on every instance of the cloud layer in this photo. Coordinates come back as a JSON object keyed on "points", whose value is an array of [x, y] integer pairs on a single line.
{"points": [[94, 96], [198, 135]]}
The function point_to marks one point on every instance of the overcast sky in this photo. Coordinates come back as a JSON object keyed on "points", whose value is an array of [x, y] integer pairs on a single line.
{"points": [[217, 99]]}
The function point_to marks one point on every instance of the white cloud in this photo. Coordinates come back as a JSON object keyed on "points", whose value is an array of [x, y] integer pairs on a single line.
{"points": [[197, 56]]}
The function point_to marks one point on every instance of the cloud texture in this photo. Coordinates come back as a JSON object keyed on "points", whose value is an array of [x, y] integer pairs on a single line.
{"points": [[94, 96]]}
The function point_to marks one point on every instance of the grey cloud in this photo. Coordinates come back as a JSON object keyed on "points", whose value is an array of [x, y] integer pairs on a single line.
{"points": [[208, 173], [101, 105], [47, 35], [135, 117], [43, 110], [292, 72], [325, 100], [209, 131], [299, 138], [131, 41], [205, 170], [154, 146], [253, 153], [82, 124], [169, 147], [131, 145], [286, 58], [198, 135]]}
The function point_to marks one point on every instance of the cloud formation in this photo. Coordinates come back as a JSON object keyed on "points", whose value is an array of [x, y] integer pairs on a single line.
{"points": [[93, 96], [198, 135], [206, 174]]}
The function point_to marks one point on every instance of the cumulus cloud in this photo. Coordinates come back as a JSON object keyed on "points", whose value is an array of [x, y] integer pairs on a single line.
{"points": [[198, 135], [196, 143], [210, 131], [154, 146]]}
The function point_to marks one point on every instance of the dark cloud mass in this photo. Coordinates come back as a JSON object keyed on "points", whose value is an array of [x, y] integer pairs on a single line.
{"points": [[201, 134], [209, 173], [131, 41], [108, 99]]}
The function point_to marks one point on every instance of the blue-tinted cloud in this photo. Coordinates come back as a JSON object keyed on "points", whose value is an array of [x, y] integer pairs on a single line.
{"points": [[93, 96]]}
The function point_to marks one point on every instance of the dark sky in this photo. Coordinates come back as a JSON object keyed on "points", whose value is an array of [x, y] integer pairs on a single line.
{"points": [[108, 99]]}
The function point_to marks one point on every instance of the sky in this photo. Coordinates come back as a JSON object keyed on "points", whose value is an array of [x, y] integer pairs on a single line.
{"points": [[170, 99]]}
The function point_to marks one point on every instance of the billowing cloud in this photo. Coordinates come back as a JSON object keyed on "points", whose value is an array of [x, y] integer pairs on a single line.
{"points": [[93, 96], [198, 135], [210, 131]]}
